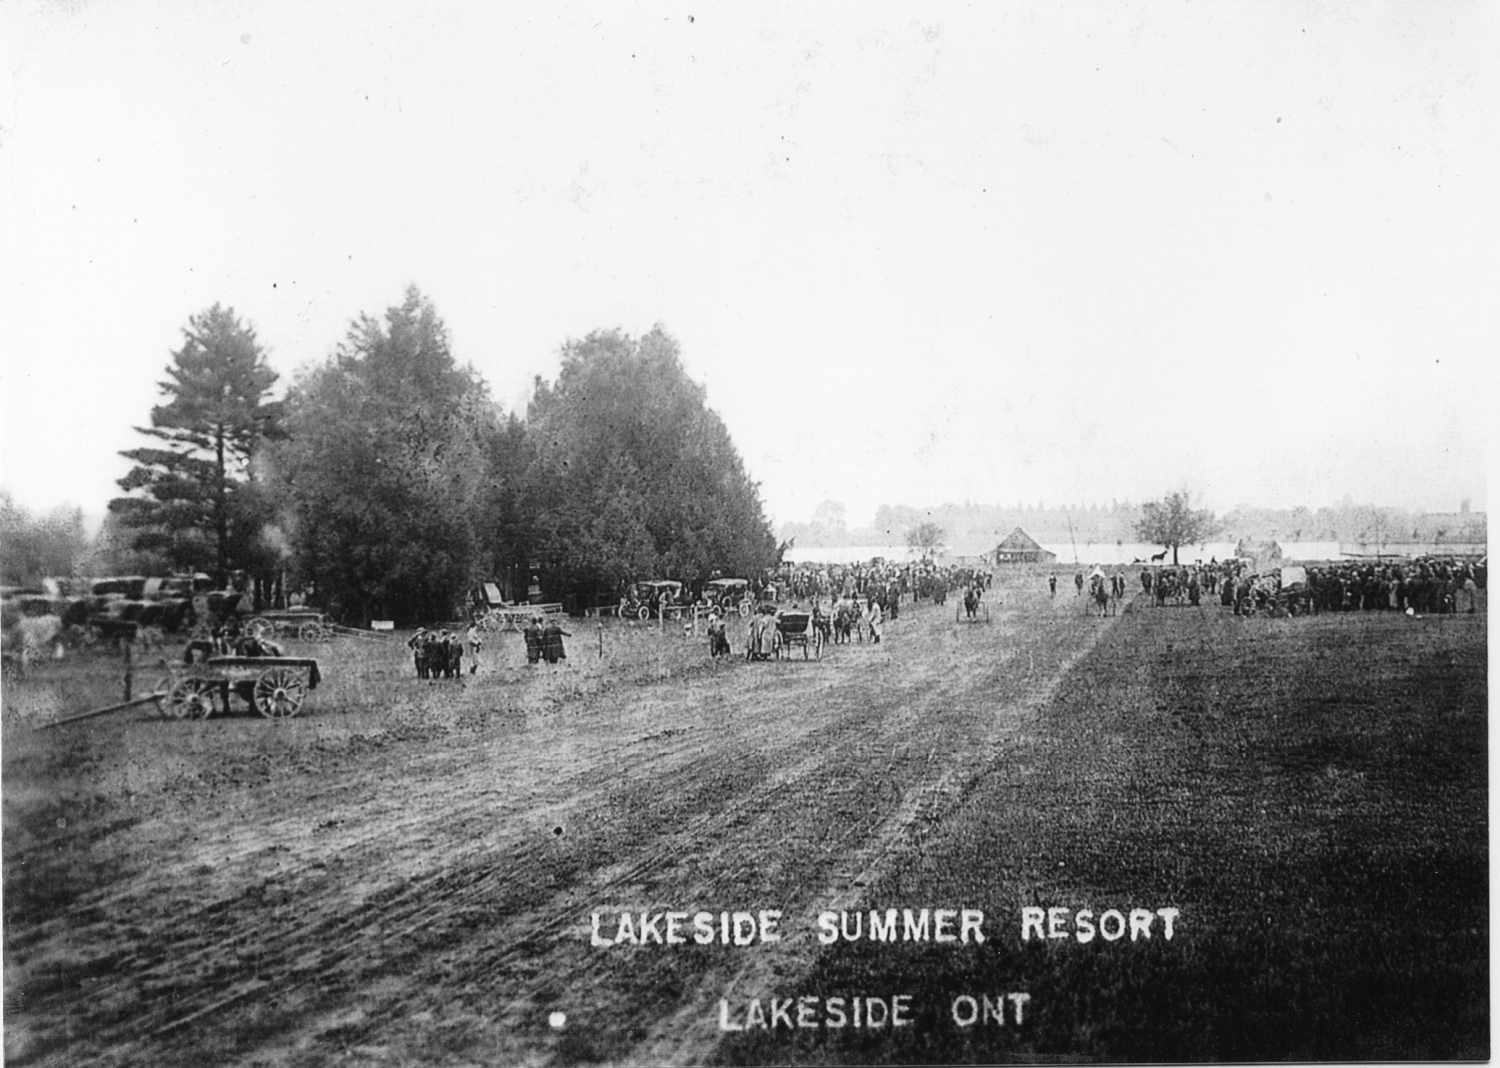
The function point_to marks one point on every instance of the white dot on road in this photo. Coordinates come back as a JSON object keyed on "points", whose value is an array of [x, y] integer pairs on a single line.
{"points": [[558, 1020]]}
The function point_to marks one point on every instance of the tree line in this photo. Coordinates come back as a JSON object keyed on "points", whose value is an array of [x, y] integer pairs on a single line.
{"points": [[386, 481]]}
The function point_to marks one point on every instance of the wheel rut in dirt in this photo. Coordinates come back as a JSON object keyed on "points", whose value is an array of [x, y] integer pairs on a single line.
{"points": [[452, 881]]}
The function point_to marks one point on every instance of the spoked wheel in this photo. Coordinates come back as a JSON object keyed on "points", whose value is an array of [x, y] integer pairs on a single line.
{"points": [[315, 632], [166, 682], [261, 629], [190, 698], [643, 613], [279, 693], [744, 609]]}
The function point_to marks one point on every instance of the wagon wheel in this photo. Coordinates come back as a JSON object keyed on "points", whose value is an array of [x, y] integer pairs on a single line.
{"points": [[744, 609], [310, 632], [279, 692], [190, 698], [260, 628], [643, 613], [167, 681]]}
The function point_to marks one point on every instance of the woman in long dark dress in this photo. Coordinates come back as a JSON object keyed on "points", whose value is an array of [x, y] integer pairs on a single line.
{"points": [[552, 642]]}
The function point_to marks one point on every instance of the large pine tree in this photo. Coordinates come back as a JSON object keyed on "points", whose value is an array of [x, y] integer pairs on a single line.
{"points": [[189, 498]]}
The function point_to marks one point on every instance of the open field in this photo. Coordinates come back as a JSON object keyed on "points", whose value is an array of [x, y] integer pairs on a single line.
{"points": [[406, 872]]}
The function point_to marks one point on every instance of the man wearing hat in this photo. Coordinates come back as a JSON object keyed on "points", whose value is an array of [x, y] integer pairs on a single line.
{"points": [[718, 639]]}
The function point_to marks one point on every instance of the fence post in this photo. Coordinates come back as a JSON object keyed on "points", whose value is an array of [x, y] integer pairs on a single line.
{"points": [[601, 639], [129, 644]]}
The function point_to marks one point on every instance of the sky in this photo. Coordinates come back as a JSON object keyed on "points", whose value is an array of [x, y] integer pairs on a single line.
{"points": [[915, 253]]}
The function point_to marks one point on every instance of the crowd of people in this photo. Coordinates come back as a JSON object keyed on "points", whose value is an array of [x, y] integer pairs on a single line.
{"points": [[885, 580], [855, 601], [1423, 586]]}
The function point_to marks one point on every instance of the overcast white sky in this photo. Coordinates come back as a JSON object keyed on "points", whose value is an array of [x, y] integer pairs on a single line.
{"points": [[916, 253]]}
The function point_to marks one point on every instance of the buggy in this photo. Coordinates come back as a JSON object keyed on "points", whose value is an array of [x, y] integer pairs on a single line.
{"points": [[796, 628]]}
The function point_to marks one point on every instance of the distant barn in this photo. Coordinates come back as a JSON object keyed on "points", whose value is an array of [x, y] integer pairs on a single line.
{"points": [[1020, 547]]}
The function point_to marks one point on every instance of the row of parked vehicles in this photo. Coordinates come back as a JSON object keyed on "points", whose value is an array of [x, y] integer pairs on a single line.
{"points": [[121, 607], [667, 598]]}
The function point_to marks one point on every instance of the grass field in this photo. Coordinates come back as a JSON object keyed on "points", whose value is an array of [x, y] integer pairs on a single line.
{"points": [[407, 871]]}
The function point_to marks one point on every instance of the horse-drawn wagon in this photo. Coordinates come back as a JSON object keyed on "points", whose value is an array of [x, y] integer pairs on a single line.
{"points": [[275, 686], [307, 624], [490, 611]]}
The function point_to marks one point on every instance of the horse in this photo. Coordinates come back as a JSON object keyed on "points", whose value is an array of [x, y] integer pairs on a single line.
{"points": [[1099, 596], [822, 624], [971, 603], [846, 623]]}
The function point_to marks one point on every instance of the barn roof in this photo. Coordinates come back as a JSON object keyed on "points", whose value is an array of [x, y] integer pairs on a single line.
{"points": [[1018, 541]]}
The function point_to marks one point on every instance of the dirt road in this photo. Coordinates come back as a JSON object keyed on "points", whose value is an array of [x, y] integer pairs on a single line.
{"points": [[423, 891]]}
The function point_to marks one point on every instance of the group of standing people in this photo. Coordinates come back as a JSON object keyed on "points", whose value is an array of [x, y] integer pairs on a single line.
{"points": [[544, 641], [1114, 583], [438, 652]]}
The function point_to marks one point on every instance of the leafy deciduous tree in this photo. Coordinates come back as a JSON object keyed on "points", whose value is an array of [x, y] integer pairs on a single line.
{"points": [[1174, 522], [927, 538], [384, 468], [38, 546], [634, 476]]}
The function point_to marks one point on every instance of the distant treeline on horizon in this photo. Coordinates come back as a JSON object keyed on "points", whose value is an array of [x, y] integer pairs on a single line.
{"points": [[976, 527]]}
